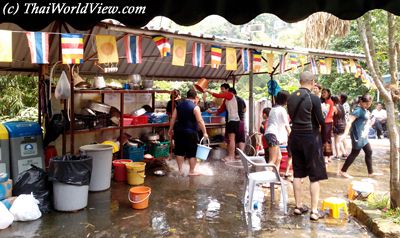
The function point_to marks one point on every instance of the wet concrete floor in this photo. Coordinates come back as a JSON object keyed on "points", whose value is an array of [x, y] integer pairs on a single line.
{"points": [[204, 206]]}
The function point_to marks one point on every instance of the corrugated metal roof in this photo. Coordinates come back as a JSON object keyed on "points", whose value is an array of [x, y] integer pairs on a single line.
{"points": [[153, 66]]}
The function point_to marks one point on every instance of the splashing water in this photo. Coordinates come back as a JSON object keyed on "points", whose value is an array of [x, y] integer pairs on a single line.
{"points": [[203, 168]]}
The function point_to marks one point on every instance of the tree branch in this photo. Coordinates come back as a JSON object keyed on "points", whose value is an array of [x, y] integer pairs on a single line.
{"points": [[392, 50]]}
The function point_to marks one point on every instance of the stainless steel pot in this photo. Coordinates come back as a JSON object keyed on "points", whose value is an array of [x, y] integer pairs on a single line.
{"points": [[99, 82], [135, 79], [147, 84], [100, 107], [153, 137]]}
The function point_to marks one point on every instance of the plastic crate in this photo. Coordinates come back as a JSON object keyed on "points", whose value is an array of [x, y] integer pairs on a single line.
{"points": [[206, 119], [160, 150], [136, 154], [140, 120]]}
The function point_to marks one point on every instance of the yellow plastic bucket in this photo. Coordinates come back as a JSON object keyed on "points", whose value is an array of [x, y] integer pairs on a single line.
{"points": [[135, 172], [139, 197]]}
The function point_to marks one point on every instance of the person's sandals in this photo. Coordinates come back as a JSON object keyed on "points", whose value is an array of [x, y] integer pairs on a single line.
{"points": [[300, 210], [315, 216]]}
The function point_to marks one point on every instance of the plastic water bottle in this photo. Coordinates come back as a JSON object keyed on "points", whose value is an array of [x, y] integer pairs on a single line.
{"points": [[258, 198]]}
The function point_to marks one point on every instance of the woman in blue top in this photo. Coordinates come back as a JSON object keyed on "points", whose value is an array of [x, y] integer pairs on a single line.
{"points": [[358, 126]]}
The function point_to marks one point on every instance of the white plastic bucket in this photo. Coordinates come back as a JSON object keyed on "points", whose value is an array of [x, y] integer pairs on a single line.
{"points": [[100, 179], [203, 150]]}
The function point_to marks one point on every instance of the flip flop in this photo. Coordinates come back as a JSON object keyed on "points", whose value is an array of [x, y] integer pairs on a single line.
{"points": [[300, 210]]}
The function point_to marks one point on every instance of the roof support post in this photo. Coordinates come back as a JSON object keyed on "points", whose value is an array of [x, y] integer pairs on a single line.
{"points": [[251, 98]]}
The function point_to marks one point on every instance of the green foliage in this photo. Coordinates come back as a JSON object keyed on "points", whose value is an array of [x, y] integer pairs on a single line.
{"points": [[17, 94], [393, 215], [378, 200]]}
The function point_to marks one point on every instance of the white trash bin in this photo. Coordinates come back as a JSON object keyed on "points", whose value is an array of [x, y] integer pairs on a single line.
{"points": [[100, 179], [68, 197]]}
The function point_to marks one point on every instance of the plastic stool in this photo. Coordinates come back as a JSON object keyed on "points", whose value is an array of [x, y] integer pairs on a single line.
{"points": [[334, 205]]}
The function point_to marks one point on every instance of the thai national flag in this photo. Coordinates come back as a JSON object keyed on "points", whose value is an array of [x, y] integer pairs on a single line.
{"points": [[133, 49], [314, 68], [339, 66], [282, 63], [245, 60], [198, 54], [39, 47]]}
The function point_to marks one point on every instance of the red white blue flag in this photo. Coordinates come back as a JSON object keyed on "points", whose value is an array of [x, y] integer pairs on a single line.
{"points": [[198, 54], [314, 68], [245, 60], [133, 49], [339, 66], [39, 47]]}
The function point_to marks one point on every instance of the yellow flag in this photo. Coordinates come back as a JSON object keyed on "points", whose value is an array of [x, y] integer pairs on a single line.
{"points": [[270, 60], [328, 62], [106, 49], [231, 63], [353, 67], [179, 52], [5, 46]]}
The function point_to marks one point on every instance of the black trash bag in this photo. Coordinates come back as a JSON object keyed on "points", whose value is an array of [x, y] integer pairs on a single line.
{"points": [[34, 180], [71, 169], [55, 128]]}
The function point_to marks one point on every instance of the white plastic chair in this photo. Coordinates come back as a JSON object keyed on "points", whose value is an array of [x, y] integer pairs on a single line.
{"points": [[268, 174]]}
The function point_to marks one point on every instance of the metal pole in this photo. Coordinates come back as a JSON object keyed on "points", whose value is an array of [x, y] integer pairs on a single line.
{"points": [[251, 98]]}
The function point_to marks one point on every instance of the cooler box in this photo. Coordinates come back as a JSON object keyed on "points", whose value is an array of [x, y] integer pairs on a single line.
{"points": [[26, 146], [4, 151]]}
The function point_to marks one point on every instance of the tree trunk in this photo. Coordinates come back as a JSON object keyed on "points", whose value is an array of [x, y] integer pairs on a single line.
{"points": [[364, 28]]}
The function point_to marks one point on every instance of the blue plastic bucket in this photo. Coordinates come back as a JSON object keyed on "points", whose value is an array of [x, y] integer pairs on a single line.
{"points": [[203, 150]]}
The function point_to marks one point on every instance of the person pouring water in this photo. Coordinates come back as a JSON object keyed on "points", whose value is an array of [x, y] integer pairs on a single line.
{"points": [[186, 117]]}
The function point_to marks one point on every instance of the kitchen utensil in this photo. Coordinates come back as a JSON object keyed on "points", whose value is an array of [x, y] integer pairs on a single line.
{"points": [[88, 111], [99, 82], [139, 112], [100, 107], [147, 84], [201, 85], [152, 137], [83, 85], [135, 79]]}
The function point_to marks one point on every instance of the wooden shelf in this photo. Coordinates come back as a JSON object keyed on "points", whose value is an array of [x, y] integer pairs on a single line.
{"points": [[122, 91], [166, 124]]}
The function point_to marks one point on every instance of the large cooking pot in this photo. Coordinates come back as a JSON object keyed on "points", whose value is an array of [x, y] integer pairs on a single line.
{"points": [[99, 82], [100, 107], [135, 79], [147, 84]]}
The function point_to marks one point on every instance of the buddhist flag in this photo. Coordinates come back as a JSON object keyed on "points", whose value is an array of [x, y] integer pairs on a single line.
{"points": [[293, 62], [231, 63], [302, 60], [339, 66], [198, 54], [328, 63], [106, 49], [353, 67], [133, 49], [216, 53], [163, 45], [322, 66], [270, 60], [282, 63], [5, 46], [72, 48], [256, 61], [39, 47], [314, 68], [245, 60], [179, 52]]}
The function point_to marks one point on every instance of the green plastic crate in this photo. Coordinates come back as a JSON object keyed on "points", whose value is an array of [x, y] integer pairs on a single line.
{"points": [[160, 150]]}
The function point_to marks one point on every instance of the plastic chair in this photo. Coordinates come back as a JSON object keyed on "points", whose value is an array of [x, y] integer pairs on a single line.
{"points": [[264, 173]]}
